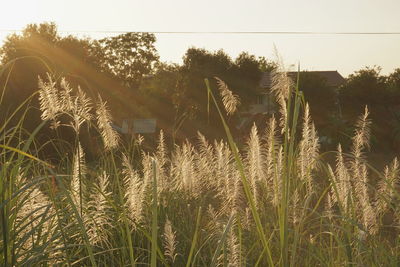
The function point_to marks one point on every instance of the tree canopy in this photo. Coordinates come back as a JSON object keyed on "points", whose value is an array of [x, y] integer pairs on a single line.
{"points": [[128, 56]]}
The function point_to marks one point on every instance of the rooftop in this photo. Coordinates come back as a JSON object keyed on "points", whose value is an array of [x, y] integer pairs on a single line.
{"points": [[333, 78]]}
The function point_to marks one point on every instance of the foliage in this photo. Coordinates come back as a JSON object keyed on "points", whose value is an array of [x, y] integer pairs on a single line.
{"points": [[382, 94], [182, 87], [318, 94], [274, 202], [365, 86], [128, 56]]}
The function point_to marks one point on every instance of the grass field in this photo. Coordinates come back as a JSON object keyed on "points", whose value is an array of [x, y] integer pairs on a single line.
{"points": [[273, 203]]}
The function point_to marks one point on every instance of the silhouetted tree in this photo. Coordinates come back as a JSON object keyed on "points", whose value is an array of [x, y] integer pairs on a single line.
{"points": [[364, 87], [128, 56], [381, 94], [31, 42], [321, 97], [393, 86], [184, 89]]}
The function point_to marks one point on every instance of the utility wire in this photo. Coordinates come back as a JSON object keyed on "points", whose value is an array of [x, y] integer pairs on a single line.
{"points": [[228, 32]]}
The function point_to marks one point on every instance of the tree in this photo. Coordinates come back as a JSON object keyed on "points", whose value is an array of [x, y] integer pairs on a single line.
{"points": [[321, 97], [40, 49], [34, 37], [199, 64], [381, 94], [393, 86], [364, 87], [245, 77], [185, 89], [128, 57], [265, 65]]}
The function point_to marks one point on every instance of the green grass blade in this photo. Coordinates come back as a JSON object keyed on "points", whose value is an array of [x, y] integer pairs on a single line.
{"points": [[222, 241], [154, 222], [194, 240], [243, 177]]}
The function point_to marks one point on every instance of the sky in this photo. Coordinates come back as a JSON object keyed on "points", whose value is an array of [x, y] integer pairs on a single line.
{"points": [[345, 53]]}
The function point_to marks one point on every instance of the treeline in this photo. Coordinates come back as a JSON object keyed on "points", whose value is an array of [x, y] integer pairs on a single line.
{"points": [[335, 110], [126, 71]]}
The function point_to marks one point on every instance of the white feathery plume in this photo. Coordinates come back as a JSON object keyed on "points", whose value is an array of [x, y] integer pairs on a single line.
{"points": [[226, 177], [98, 220], [358, 168], [54, 103], [270, 150], [234, 252], [365, 211], [162, 160], [360, 142], [369, 216], [78, 178], [34, 206], [237, 199], [80, 112], [222, 165], [169, 241], [205, 162], [254, 161], [109, 135], [343, 183], [309, 151], [215, 221], [281, 87], [388, 186], [277, 182], [295, 207], [49, 100], [329, 206], [230, 100], [248, 219], [67, 100], [139, 139], [161, 154], [34, 218], [134, 193], [147, 170], [183, 169]]}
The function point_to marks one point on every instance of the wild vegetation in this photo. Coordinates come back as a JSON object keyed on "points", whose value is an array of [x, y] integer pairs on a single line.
{"points": [[126, 71], [274, 202]]}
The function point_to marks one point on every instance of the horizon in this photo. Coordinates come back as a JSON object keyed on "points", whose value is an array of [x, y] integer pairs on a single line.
{"points": [[304, 33]]}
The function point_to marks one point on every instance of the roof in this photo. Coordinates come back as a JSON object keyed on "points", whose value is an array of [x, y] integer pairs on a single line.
{"points": [[266, 80], [333, 78]]}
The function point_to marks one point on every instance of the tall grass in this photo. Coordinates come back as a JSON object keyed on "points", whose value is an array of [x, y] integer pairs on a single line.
{"points": [[274, 202]]}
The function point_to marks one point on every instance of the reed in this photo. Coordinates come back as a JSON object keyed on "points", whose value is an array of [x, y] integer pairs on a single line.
{"points": [[274, 202]]}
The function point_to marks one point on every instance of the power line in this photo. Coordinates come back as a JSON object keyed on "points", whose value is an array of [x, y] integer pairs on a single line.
{"points": [[224, 32]]}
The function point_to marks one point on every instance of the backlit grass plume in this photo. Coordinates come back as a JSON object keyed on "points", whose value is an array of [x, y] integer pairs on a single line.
{"points": [[49, 100], [281, 87], [101, 213], [230, 100], [309, 151], [55, 102], [169, 241], [98, 219], [81, 110], [109, 135], [78, 181], [134, 192]]}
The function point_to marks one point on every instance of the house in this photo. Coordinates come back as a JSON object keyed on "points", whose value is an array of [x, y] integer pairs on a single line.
{"points": [[136, 126], [264, 103]]}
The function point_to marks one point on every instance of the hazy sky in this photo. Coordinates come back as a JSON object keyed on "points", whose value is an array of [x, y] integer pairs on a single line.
{"points": [[345, 53]]}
